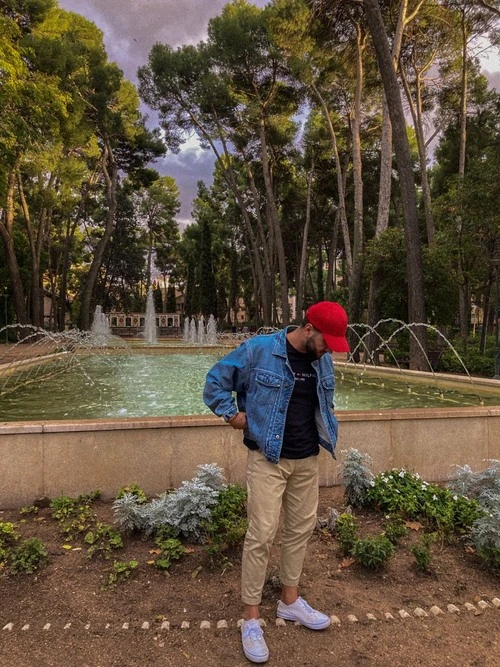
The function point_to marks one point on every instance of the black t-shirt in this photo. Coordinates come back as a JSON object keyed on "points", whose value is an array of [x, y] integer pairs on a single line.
{"points": [[300, 438]]}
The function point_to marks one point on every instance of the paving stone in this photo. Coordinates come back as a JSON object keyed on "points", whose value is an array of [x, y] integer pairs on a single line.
{"points": [[436, 610], [222, 625], [280, 622], [403, 613], [67, 626], [496, 602], [262, 623], [421, 613], [482, 604], [388, 616], [469, 606], [8, 627], [165, 625], [87, 627], [125, 626], [145, 625], [352, 619], [185, 625], [26, 627], [371, 617], [453, 609], [205, 625], [335, 620]]}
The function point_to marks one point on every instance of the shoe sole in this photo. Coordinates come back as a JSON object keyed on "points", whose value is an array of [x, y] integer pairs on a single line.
{"points": [[310, 626], [255, 658]]}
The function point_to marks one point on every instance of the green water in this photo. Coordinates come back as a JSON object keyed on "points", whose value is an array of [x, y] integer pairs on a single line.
{"points": [[142, 385]]}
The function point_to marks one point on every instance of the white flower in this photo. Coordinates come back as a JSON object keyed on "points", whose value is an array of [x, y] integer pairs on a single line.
{"points": [[398, 491], [402, 473], [423, 487], [455, 497], [372, 483], [434, 497]]}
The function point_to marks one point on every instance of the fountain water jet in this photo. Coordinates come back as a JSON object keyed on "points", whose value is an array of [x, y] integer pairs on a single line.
{"points": [[150, 329]]}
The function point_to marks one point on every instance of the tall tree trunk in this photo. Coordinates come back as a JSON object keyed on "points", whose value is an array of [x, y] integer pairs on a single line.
{"points": [[418, 124], [303, 254], [7, 234], [358, 235], [340, 181], [416, 304], [275, 222], [110, 172]]}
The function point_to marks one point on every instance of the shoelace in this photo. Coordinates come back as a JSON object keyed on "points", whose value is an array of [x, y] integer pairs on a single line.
{"points": [[309, 609], [254, 633]]}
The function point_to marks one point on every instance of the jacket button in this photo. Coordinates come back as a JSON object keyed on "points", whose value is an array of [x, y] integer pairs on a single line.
{"points": [[277, 437]]}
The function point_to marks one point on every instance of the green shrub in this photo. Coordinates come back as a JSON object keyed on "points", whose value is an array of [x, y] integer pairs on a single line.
{"points": [[402, 492], [395, 529], [346, 532], [171, 549], [102, 540], [228, 522], [373, 552], [422, 551], [134, 490], [121, 571], [28, 556]]}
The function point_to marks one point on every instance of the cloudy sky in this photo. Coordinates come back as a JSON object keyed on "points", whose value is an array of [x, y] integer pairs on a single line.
{"points": [[131, 27]]}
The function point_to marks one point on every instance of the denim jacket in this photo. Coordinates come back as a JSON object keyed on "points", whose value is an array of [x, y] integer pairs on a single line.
{"points": [[259, 373]]}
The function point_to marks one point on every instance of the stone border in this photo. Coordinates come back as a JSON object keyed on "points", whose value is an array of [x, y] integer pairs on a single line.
{"points": [[479, 608]]}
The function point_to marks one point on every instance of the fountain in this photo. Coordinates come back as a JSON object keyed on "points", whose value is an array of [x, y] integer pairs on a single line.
{"points": [[211, 331], [100, 329], [150, 329], [45, 456]]}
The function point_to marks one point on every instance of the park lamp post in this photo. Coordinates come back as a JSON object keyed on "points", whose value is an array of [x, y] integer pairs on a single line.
{"points": [[496, 263]]}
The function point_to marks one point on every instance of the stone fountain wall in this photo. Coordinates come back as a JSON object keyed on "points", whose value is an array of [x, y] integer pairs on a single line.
{"points": [[50, 459]]}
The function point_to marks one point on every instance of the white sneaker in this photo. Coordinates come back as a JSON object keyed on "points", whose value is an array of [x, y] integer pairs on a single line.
{"points": [[302, 613], [254, 644]]}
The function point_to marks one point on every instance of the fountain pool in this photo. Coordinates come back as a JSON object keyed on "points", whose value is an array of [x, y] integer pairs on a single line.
{"points": [[141, 384], [71, 424]]}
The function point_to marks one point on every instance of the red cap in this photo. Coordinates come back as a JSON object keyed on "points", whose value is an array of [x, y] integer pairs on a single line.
{"points": [[330, 319]]}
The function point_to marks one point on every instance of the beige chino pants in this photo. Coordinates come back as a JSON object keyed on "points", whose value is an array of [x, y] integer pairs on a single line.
{"points": [[293, 485]]}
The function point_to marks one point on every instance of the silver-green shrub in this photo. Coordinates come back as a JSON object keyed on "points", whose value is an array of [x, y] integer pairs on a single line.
{"points": [[183, 510], [356, 477]]}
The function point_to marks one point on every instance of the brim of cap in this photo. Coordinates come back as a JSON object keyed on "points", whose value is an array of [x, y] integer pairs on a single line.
{"points": [[336, 343]]}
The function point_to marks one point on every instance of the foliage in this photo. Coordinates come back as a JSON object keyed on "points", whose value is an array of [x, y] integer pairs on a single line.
{"points": [[484, 487], [74, 515], [475, 362], [102, 539], [356, 477], [395, 529], [134, 490], [228, 523], [171, 549], [184, 510], [121, 571], [403, 492], [373, 552], [422, 551], [28, 556], [345, 529]]}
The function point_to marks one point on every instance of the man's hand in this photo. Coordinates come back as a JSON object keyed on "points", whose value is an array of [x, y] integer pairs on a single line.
{"points": [[239, 421]]}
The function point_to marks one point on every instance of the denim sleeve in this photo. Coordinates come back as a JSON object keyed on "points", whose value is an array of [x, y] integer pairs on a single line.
{"points": [[227, 376]]}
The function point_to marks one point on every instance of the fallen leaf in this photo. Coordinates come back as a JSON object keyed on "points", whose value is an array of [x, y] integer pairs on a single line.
{"points": [[196, 572], [151, 562], [66, 546], [470, 550], [156, 552], [347, 562], [413, 525]]}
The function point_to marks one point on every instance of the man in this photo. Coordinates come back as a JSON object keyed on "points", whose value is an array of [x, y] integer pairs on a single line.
{"points": [[284, 385]]}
